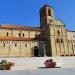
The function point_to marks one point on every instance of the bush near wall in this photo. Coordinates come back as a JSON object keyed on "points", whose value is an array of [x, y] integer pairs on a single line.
{"points": [[4, 65]]}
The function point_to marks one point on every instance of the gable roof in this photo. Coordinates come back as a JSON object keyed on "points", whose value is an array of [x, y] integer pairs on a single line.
{"points": [[12, 26]]}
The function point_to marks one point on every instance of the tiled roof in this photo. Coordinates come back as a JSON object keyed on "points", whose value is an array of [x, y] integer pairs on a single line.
{"points": [[10, 26], [15, 38], [20, 39]]}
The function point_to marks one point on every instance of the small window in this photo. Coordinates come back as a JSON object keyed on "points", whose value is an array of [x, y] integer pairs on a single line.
{"points": [[58, 32], [23, 34], [15, 45], [49, 12], [58, 41], [61, 40], [3, 44], [7, 34], [35, 35], [25, 45], [19, 34]]}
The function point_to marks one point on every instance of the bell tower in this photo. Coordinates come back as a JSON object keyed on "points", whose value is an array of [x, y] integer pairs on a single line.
{"points": [[46, 16]]}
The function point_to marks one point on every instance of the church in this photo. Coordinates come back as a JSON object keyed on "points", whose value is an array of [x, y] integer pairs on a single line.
{"points": [[50, 39]]}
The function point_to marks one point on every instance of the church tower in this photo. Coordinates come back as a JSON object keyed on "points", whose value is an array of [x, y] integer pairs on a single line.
{"points": [[54, 32], [46, 16]]}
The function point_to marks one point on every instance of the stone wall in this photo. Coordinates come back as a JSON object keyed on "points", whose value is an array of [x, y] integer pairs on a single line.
{"points": [[18, 33], [19, 48], [71, 42]]}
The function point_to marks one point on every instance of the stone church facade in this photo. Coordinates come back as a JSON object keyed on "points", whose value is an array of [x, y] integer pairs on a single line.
{"points": [[50, 39]]}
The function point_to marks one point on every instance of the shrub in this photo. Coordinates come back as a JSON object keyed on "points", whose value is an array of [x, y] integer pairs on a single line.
{"points": [[4, 65], [50, 63]]}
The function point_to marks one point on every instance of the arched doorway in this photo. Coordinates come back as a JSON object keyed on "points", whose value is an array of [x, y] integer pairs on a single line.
{"points": [[36, 51]]}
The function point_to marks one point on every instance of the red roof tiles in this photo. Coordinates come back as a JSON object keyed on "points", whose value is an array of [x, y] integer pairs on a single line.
{"points": [[19, 27], [15, 38]]}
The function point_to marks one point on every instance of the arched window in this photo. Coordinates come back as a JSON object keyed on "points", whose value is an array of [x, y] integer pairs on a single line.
{"points": [[25, 45], [7, 34], [19, 34], [35, 35], [49, 12], [23, 35], [58, 32], [15, 45], [61, 40], [3, 44], [57, 40]]}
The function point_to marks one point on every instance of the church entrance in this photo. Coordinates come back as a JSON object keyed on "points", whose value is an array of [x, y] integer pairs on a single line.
{"points": [[36, 51]]}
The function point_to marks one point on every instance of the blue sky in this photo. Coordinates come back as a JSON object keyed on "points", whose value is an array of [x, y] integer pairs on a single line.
{"points": [[26, 12]]}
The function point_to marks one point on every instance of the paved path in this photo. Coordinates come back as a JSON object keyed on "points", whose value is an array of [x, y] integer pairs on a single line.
{"points": [[64, 71], [28, 63]]}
